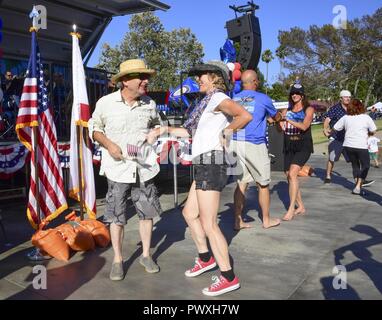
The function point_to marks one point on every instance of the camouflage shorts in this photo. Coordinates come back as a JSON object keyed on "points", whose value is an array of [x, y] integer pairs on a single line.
{"points": [[143, 195]]}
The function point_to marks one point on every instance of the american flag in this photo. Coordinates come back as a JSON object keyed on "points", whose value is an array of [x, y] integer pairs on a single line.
{"points": [[133, 151], [35, 111]]}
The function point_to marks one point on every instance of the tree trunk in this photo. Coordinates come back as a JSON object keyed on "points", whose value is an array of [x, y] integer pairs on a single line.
{"points": [[371, 87], [356, 87], [266, 87], [281, 70]]}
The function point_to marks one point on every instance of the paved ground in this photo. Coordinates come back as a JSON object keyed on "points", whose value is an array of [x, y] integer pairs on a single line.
{"points": [[293, 261]]}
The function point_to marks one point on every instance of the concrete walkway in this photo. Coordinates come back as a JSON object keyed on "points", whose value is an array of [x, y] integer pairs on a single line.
{"points": [[292, 261]]}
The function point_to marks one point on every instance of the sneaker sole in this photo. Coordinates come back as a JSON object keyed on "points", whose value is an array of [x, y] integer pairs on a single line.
{"points": [[195, 274], [147, 270], [368, 184], [218, 293]]}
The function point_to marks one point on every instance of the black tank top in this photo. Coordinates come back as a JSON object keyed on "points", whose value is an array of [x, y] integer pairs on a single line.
{"points": [[296, 140]]}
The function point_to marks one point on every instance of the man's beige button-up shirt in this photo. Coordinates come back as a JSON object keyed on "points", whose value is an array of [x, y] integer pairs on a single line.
{"points": [[124, 124]]}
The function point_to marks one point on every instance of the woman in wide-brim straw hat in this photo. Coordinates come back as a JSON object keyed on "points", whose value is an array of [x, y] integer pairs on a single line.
{"points": [[132, 67], [209, 127]]}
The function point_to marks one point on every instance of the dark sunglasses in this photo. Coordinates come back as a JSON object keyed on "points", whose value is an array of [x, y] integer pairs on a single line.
{"points": [[140, 76]]}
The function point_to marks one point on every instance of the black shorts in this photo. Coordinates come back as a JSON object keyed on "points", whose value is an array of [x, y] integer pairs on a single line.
{"points": [[211, 173], [299, 158]]}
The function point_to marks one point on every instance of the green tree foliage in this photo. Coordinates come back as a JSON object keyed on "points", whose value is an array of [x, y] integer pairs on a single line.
{"points": [[168, 52], [260, 76], [327, 59], [278, 92]]}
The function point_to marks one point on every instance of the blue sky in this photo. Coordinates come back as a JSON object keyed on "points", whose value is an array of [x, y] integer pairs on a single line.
{"points": [[206, 18]]}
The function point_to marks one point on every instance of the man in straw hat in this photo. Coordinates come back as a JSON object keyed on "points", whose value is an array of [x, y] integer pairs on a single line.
{"points": [[119, 124]]}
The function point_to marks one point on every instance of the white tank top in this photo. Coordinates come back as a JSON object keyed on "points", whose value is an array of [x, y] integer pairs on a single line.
{"points": [[210, 126]]}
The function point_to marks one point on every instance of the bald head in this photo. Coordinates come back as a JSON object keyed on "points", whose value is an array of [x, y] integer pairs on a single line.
{"points": [[249, 80]]}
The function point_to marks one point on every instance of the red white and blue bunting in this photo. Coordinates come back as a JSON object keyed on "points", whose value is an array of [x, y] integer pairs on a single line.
{"points": [[12, 159]]}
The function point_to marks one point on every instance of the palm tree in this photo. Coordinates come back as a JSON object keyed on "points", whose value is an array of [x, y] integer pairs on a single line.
{"points": [[267, 57], [281, 54]]}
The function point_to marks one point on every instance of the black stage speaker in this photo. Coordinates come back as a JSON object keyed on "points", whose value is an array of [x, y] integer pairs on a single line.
{"points": [[275, 148], [246, 31]]}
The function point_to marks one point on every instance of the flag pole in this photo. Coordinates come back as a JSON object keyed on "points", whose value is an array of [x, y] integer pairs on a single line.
{"points": [[80, 180], [35, 129], [79, 148], [35, 254], [36, 176]]}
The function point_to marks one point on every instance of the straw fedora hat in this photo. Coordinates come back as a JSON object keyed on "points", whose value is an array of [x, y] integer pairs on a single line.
{"points": [[131, 66]]}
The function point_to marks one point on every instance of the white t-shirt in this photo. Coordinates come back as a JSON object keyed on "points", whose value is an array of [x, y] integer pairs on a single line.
{"points": [[210, 126], [356, 130], [372, 144]]}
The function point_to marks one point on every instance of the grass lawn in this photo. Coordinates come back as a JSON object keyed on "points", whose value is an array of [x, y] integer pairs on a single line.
{"points": [[318, 135]]}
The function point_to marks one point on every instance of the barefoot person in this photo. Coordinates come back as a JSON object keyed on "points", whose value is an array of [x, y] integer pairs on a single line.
{"points": [[298, 145], [209, 126], [123, 119], [250, 147]]}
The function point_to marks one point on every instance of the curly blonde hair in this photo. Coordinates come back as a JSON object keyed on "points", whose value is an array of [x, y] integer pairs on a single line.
{"points": [[218, 81]]}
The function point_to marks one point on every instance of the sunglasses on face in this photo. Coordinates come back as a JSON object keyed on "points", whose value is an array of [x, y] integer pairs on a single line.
{"points": [[140, 76], [9, 75]]}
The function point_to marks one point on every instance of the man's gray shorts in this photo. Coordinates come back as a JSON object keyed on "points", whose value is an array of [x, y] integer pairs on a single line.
{"points": [[143, 195], [335, 149]]}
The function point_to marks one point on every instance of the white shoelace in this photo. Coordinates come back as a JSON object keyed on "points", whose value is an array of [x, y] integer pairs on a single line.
{"points": [[216, 282], [196, 263]]}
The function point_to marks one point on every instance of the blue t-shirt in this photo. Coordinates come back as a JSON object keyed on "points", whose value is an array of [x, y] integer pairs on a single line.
{"points": [[261, 107], [335, 113]]}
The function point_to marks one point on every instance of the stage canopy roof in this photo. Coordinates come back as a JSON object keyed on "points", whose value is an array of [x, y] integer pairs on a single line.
{"points": [[90, 16]]}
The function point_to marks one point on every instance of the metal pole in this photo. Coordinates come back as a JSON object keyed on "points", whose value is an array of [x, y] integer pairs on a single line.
{"points": [[174, 165], [79, 156], [35, 132], [36, 176], [27, 179], [181, 93]]}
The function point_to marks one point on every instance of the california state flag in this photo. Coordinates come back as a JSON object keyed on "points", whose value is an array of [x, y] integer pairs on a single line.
{"points": [[80, 145]]}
